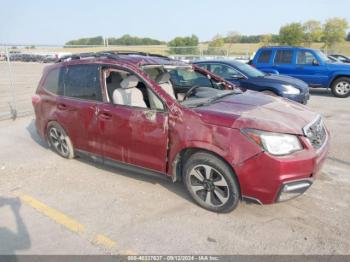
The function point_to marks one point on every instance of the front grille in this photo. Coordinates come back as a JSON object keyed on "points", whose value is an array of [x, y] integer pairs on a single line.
{"points": [[316, 132]]}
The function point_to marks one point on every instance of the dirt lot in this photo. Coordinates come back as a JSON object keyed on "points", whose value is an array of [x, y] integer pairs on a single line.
{"points": [[49, 205]]}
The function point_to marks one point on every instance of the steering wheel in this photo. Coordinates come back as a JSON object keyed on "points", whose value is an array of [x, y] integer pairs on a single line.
{"points": [[190, 92]]}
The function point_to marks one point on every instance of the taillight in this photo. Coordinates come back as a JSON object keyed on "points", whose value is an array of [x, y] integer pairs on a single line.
{"points": [[35, 99]]}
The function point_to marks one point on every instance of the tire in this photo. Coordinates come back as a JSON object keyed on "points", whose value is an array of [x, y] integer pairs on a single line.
{"points": [[59, 141], [341, 87], [205, 175]]}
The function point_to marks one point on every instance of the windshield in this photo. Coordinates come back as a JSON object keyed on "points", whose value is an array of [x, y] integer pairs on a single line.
{"points": [[248, 70], [191, 88], [322, 56]]}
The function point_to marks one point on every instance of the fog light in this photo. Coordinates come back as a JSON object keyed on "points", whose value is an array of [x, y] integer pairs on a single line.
{"points": [[293, 189]]}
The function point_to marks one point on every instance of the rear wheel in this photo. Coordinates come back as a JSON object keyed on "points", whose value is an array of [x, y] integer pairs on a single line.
{"points": [[341, 87], [211, 182], [59, 141]]}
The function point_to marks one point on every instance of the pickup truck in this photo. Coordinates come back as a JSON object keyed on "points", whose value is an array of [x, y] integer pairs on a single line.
{"points": [[310, 65]]}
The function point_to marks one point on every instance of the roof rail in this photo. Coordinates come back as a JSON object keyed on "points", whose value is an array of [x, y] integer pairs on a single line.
{"points": [[108, 54], [116, 52], [272, 46]]}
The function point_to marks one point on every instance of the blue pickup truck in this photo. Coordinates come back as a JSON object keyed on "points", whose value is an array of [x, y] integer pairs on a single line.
{"points": [[310, 65]]}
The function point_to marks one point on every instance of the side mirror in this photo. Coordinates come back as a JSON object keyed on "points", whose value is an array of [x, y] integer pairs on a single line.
{"points": [[237, 76], [315, 62]]}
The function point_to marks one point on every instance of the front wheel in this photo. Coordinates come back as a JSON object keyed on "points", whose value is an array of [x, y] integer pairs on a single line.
{"points": [[211, 182], [59, 141], [341, 87]]}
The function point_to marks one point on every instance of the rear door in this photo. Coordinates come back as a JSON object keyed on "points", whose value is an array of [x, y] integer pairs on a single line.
{"points": [[77, 108], [283, 61]]}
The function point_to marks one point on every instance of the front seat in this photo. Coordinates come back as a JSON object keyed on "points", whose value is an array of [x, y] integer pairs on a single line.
{"points": [[113, 82], [128, 94], [163, 80]]}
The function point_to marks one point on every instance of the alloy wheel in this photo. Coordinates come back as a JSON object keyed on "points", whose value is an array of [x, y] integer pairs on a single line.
{"points": [[209, 185], [342, 88], [58, 140]]}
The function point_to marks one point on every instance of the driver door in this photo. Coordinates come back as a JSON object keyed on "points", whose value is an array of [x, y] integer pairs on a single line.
{"points": [[226, 72]]}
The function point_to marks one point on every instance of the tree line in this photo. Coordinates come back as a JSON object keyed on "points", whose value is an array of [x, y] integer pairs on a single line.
{"points": [[331, 33], [124, 40]]}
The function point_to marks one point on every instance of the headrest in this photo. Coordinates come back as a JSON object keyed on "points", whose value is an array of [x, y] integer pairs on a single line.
{"points": [[163, 78], [129, 82]]}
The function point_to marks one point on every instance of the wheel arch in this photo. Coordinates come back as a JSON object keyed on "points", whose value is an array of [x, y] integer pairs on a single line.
{"points": [[335, 77], [185, 153]]}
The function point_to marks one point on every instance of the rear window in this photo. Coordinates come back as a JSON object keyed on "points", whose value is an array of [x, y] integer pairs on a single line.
{"points": [[83, 81], [51, 81], [284, 57], [265, 56]]}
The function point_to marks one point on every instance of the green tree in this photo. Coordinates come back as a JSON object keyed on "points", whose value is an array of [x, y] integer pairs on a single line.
{"points": [[218, 41], [334, 31], [312, 32], [266, 39], [184, 45], [134, 40], [233, 37], [216, 46], [291, 34], [98, 40]]}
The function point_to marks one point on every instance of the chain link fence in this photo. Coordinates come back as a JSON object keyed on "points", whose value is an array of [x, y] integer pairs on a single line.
{"points": [[21, 67]]}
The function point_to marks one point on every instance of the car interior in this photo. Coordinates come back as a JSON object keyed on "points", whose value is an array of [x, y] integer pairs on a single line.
{"points": [[124, 88], [127, 89]]}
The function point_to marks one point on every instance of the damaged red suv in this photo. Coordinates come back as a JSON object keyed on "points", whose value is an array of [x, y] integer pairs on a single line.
{"points": [[151, 113]]}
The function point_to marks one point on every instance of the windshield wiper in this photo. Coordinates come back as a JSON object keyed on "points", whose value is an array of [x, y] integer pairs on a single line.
{"points": [[223, 95]]}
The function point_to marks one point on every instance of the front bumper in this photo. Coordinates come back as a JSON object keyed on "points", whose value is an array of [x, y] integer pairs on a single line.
{"points": [[301, 98], [269, 179]]}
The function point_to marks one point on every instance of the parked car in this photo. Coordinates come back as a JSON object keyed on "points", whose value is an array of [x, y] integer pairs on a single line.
{"points": [[248, 77], [341, 58], [309, 65], [120, 109], [333, 59]]}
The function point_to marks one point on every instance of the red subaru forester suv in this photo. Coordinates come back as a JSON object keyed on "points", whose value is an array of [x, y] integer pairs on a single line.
{"points": [[162, 116]]}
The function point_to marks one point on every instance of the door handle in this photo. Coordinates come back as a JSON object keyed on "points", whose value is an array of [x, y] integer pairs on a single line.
{"points": [[105, 116]]}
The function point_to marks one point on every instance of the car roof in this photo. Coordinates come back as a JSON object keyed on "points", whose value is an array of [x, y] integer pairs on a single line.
{"points": [[286, 47], [222, 61], [136, 58]]}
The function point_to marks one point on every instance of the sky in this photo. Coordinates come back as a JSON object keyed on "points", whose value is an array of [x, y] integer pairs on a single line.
{"points": [[56, 22]]}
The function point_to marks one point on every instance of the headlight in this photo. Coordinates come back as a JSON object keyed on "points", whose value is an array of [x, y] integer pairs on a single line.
{"points": [[290, 90], [275, 143]]}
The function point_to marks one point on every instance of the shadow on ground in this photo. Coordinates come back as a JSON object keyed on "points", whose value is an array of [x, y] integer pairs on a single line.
{"points": [[321, 92], [12, 241]]}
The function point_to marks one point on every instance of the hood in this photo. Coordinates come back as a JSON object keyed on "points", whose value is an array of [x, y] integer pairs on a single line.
{"points": [[259, 111], [339, 66], [281, 80]]}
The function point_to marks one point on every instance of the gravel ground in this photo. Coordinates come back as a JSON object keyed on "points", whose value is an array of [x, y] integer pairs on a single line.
{"points": [[146, 215]]}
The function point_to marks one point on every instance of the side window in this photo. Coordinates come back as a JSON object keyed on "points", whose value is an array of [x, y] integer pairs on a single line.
{"points": [[265, 56], [224, 71], [305, 58], [189, 78], [83, 81], [52, 81], [204, 66], [284, 57]]}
